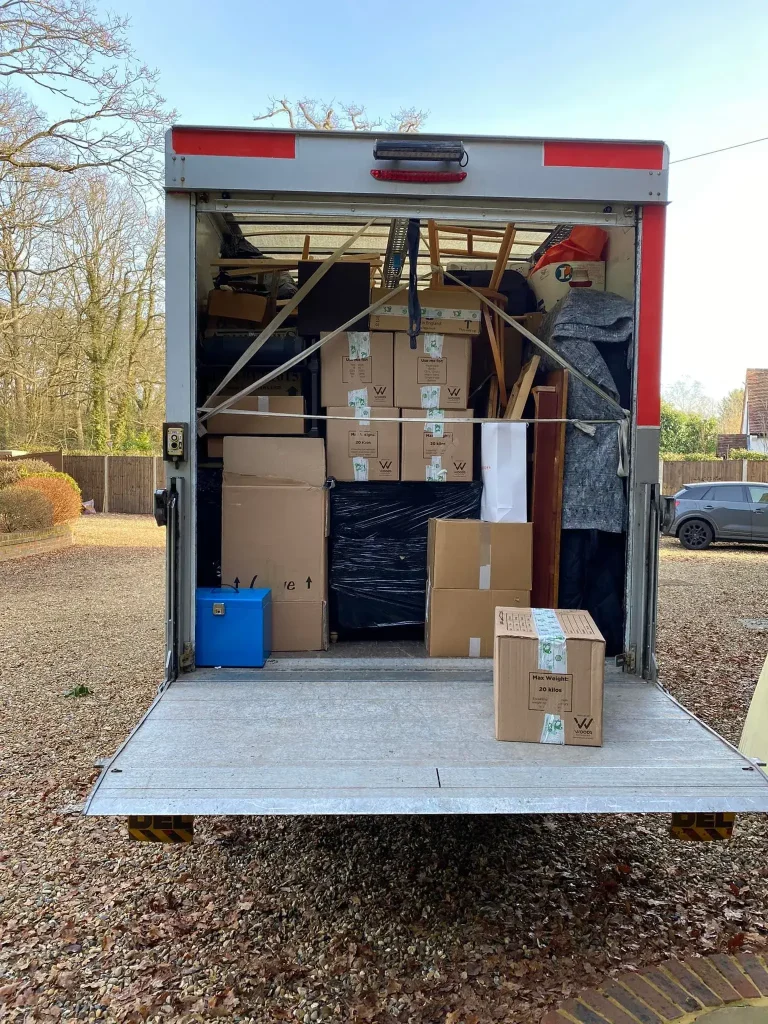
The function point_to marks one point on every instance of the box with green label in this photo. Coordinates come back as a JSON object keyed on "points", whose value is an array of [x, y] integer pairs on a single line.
{"points": [[363, 444], [356, 369], [437, 447], [548, 675], [434, 374]]}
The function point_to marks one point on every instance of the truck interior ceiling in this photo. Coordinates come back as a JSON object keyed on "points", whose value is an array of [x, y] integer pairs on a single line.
{"points": [[382, 486]]}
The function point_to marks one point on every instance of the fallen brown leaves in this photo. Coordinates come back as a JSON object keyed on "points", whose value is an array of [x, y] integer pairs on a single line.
{"points": [[456, 920]]}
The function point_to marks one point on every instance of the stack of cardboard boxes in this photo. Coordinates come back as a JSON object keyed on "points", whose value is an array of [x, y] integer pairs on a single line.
{"points": [[473, 568]]}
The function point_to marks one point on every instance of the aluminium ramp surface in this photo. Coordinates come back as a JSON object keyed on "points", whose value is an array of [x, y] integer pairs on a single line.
{"points": [[407, 736]]}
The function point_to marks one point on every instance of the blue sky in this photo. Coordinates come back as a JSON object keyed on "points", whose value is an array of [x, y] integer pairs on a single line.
{"points": [[690, 73]]}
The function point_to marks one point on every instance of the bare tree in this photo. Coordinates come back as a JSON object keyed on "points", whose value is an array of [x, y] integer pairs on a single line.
{"points": [[333, 116], [112, 114]]}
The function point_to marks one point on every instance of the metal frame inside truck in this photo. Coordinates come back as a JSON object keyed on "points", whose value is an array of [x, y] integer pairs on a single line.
{"points": [[658, 757]]}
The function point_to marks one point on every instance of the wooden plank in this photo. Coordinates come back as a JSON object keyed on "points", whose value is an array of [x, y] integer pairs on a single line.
{"points": [[434, 253], [492, 410], [522, 389], [547, 488], [504, 250], [459, 229], [305, 247], [498, 361]]}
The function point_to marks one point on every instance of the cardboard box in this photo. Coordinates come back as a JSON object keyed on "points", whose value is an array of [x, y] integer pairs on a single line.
{"points": [[465, 554], [548, 674], [215, 447], [237, 305], [459, 623], [363, 449], [357, 369], [553, 281], [444, 310], [504, 467], [233, 423], [274, 528], [434, 375], [300, 626], [437, 450]]}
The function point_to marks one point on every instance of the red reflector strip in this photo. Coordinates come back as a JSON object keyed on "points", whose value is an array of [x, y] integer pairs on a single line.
{"points": [[228, 142], [621, 155], [421, 176]]}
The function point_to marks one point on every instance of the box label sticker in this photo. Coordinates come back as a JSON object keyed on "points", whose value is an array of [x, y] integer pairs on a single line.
{"points": [[358, 398], [550, 691], [430, 396], [552, 730], [360, 467], [431, 370], [363, 415], [363, 442], [474, 647], [552, 647], [435, 425], [434, 474], [359, 344], [433, 345], [354, 371], [386, 468]]}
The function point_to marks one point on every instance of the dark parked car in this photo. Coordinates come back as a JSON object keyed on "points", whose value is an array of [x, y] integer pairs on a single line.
{"points": [[702, 513]]}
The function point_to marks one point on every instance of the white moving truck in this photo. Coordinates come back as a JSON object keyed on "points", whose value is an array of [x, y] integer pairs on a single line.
{"points": [[378, 729]]}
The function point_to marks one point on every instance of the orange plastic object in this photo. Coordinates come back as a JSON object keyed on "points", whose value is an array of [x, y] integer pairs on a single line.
{"points": [[584, 243]]}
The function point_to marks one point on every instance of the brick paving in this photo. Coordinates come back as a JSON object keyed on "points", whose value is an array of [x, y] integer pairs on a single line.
{"points": [[674, 989]]}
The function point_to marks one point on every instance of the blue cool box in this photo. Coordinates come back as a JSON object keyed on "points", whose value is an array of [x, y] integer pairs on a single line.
{"points": [[233, 628]]}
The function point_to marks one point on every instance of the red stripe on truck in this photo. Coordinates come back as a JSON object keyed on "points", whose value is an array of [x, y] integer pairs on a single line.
{"points": [[649, 326], [231, 142], [622, 155]]}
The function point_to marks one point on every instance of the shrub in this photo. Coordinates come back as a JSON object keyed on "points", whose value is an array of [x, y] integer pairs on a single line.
{"points": [[9, 472], [748, 454], [65, 501], [689, 457], [24, 509]]}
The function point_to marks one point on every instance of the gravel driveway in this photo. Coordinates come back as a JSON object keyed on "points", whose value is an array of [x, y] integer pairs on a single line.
{"points": [[450, 920]]}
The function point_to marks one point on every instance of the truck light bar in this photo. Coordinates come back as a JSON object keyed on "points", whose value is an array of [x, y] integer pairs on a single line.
{"points": [[399, 149], [431, 177]]}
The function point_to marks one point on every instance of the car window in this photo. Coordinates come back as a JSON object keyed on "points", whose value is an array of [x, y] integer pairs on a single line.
{"points": [[758, 494], [725, 492], [695, 493]]}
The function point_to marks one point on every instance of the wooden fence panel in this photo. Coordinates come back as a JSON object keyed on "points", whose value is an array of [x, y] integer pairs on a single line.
{"points": [[757, 471], [130, 484], [88, 471], [678, 474], [54, 459]]}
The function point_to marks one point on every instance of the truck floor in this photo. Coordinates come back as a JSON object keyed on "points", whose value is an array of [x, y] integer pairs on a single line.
{"points": [[403, 734]]}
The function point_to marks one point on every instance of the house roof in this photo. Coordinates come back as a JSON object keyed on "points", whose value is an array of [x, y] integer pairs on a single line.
{"points": [[756, 394]]}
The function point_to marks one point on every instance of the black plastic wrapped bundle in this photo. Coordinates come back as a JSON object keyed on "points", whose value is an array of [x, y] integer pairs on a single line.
{"points": [[377, 582], [399, 509], [378, 551]]}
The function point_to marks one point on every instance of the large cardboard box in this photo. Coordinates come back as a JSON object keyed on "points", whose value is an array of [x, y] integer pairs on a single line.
{"points": [[237, 305], [274, 529], [436, 449], [362, 448], [548, 674], [465, 554], [453, 310], [435, 374], [459, 623], [553, 281], [235, 423], [504, 467], [357, 369]]}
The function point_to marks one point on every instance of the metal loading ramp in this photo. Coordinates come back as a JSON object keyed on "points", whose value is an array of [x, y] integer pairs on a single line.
{"points": [[407, 735]]}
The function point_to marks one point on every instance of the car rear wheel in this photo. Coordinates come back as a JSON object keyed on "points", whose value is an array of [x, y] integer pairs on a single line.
{"points": [[695, 534]]}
